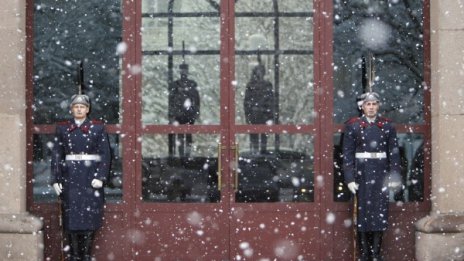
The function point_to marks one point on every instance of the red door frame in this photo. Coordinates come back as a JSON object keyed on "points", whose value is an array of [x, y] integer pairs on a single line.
{"points": [[214, 225], [304, 218]]}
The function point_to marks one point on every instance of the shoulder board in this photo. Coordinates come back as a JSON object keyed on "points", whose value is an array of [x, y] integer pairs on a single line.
{"points": [[96, 122], [353, 120], [385, 119], [63, 123]]}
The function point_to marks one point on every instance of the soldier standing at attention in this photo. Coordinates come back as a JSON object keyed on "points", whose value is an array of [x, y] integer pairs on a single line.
{"points": [[183, 108], [370, 157], [80, 166], [259, 105]]}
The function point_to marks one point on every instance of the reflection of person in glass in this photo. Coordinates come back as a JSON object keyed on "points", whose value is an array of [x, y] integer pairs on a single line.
{"points": [[259, 105], [371, 160], [184, 108], [80, 166]]}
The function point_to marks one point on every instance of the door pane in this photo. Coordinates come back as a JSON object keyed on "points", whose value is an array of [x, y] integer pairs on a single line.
{"points": [[274, 62], [69, 31], [177, 41], [192, 177], [393, 32], [274, 174]]}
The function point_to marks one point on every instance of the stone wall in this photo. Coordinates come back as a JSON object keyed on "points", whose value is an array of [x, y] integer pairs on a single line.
{"points": [[20, 237], [440, 236]]}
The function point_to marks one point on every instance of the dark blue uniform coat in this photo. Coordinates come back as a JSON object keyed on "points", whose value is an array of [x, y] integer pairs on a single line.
{"points": [[82, 204], [372, 175]]}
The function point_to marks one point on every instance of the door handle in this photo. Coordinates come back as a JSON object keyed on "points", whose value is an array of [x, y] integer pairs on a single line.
{"points": [[236, 170], [219, 171]]}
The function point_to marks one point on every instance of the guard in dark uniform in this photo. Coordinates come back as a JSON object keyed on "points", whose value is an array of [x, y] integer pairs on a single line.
{"points": [[80, 166], [259, 105], [370, 158], [183, 108]]}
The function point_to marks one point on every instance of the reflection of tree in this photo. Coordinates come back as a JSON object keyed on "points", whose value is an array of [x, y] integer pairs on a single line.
{"points": [[399, 63], [65, 32]]}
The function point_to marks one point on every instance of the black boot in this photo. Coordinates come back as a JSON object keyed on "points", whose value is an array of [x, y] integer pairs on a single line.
{"points": [[376, 245], [363, 246], [74, 245], [87, 241]]}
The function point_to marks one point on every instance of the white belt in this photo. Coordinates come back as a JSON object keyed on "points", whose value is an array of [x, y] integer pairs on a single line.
{"points": [[94, 157], [371, 155]]}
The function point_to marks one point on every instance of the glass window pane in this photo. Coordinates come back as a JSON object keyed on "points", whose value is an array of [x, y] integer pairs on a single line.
{"points": [[179, 6], [295, 5], [43, 191], [188, 176], [412, 176], [295, 95], [296, 91], [393, 32], [296, 33], [181, 71], [254, 5], [275, 168], [156, 93], [66, 32], [206, 36], [252, 33], [274, 75]]}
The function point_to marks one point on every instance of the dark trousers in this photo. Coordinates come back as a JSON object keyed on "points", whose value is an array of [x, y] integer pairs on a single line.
{"points": [[80, 243], [369, 245], [257, 145], [185, 144]]}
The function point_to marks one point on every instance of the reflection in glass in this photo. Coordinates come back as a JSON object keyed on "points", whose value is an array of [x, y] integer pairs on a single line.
{"points": [[284, 174], [180, 46], [114, 187], [155, 92], [412, 159], [180, 179], [268, 5], [66, 32], [393, 32], [43, 191], [281, 42]]}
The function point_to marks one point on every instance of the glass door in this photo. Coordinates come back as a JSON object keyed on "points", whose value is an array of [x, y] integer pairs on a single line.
{"points": [[274, 129], [228, 133], [181, 204]]}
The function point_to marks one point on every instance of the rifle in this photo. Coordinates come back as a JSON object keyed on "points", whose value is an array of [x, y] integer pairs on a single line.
{"points": [[355, 227], [80, 77], [368, 72], [60, 218]]}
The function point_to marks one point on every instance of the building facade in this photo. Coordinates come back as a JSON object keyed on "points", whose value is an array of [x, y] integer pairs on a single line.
{"points": [[176, 189]]}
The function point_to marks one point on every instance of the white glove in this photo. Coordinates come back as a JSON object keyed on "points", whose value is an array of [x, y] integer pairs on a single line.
{"points": [[96, 183], [353, 186], [58, 188]]}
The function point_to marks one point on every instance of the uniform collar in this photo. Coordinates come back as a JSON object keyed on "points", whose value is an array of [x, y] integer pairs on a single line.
{"points": [[84, 126], [367, 120], [379, 121]]}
